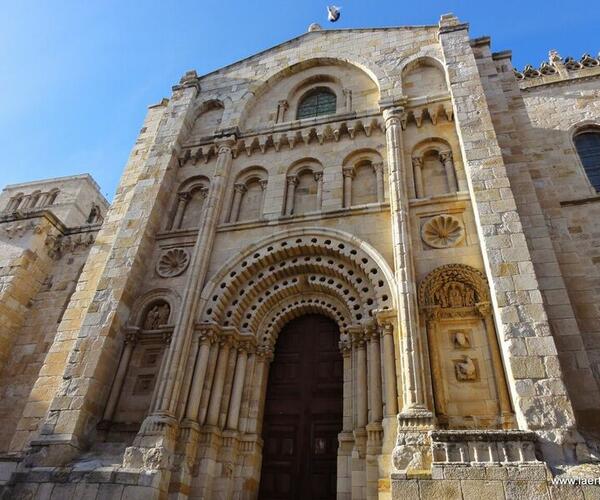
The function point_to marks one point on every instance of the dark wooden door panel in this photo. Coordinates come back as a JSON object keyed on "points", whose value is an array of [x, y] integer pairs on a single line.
{"points": [[303, 412]]}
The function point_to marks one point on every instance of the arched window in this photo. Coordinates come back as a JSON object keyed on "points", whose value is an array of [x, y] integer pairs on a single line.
{"points": [[317, 102], [588, 149]]}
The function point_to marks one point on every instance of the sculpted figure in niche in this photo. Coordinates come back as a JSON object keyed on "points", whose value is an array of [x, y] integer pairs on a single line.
{"points": [[455, 295], [465, 369], [157, 316]]}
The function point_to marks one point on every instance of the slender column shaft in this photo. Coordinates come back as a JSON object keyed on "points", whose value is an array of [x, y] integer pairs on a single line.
{"points": [[348, 175], [418, 175], [361, 384], [182, 199], [347, 357], [389, 363], [236, 392], [375, 378], [378, 167], [216, 394], [172, 377], [407, 308], [498, 367], [198, 379], [448, 162], [239, 190], [43, 199], [263, 197], [319, 179], [292, 180], [115, 391], [439, 394]]}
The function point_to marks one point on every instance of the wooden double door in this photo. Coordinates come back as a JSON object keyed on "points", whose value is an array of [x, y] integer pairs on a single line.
{"points": [[303, 412]]}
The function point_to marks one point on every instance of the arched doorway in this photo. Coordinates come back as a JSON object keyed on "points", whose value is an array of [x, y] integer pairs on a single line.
{"points": [[303, 412]]}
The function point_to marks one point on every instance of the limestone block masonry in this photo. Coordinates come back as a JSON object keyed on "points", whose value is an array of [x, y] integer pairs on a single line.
{"points": [[429, 212]]}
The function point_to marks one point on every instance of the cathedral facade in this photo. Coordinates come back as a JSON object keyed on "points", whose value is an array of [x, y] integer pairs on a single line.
{"points": [[363, 264]]}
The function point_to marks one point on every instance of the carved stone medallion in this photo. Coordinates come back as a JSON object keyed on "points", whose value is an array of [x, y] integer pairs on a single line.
{"points": [[172, 263], [443, 231]]}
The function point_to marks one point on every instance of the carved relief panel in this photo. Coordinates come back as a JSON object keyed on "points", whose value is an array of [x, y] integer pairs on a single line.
{"points": [[468, 378]]}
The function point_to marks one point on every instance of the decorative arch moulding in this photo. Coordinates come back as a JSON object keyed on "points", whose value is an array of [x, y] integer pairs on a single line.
{"points": [[343, 278]]}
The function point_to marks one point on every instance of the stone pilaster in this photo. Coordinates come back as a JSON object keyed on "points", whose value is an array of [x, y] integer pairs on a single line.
{"points": [[528, 347], [88, 339]]}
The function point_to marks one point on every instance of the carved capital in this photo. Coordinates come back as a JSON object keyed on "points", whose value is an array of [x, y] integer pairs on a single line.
{"points": [[265, 351], [318, 176], [394, 116], [240, 188], [292, 180], [417, 161], [358, 338], [378, 167], [131, 337], [283, 104], [207, 335], [348, 172], [263, 184], [184, 196], [445, 156], [484, 308], [225, 146], [166, 337]]}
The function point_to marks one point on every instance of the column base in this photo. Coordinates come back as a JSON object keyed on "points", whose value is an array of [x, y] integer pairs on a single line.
{"points": [[154, 445], [412, 454]]}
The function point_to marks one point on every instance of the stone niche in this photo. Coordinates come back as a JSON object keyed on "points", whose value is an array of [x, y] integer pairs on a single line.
{"points": [[468, 379]]}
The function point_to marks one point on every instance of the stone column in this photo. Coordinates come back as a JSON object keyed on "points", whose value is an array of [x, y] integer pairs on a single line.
{"points": [[319, 179], [282, 107], [361, 380], [375, 376], [115, 391], [418, 176], [238, 192], [506, 413], [169, 387], [348, 173], [389, 364], [347, 99], [206, 339], [182, 200], [414, 397], [437, 378], [264, 355], [43, 199], [239, 379], [216, 394], [346, 348], [292, 181], [378, 167], [263, 197], [448, 162]]}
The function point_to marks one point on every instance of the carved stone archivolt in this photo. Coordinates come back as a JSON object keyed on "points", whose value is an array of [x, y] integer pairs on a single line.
{"points": [[172, 263], [443, 231]]}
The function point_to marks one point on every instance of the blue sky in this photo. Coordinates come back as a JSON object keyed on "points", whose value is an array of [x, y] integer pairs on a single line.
{"points": [[76, 76]]}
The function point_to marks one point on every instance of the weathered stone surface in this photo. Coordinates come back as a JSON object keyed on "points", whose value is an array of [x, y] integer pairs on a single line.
{"points": [[438, 213]]}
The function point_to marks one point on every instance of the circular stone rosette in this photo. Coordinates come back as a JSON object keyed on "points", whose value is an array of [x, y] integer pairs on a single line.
{"points": [[172, 263], [442, 231]]}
